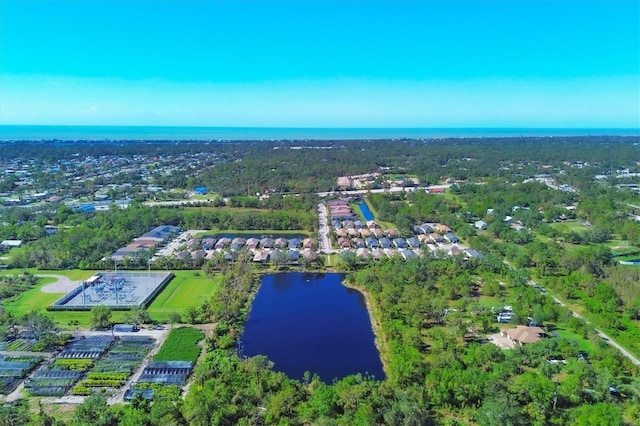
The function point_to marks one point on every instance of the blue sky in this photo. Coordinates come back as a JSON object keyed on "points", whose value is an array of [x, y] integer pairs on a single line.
{"points": [[474, 63]]}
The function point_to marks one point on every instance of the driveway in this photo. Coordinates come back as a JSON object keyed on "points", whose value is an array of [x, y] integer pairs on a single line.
{"points": [[62, 285], [323, 229]]}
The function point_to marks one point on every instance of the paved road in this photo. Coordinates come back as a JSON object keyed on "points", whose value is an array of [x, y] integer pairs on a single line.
{"points": [[323, 229], [605, 337], [62, 285]]}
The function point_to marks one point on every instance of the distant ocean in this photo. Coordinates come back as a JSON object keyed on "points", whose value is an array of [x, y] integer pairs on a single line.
{"points": [[101, 133]]}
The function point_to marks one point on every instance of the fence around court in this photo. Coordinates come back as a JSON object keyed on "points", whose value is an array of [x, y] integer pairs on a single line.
{"points": [[129, 299]]}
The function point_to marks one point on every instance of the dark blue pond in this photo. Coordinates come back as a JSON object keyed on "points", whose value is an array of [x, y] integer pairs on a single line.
{"points": [[311, 322], [366, 213]]}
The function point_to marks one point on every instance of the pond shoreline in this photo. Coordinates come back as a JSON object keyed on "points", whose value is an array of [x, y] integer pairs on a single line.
{"points": [[380, 340]]}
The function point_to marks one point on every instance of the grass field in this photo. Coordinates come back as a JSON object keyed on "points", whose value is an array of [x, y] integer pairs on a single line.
{"points": [[583, 344], [186, 289], [72, 274], [568, 226], [35, 300]]}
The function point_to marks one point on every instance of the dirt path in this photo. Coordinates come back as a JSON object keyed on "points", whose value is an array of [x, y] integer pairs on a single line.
{"points": [[207, 329], [160, 336]]}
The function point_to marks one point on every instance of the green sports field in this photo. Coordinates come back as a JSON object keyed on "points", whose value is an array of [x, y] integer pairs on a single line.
{"points": [[188, 288]]}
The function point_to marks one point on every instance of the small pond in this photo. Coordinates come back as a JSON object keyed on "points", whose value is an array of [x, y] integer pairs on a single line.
{"points": [[311, 322], [366, 213]]}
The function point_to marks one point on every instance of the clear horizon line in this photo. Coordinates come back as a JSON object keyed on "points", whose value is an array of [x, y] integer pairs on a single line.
{"points": [[322, 127]]}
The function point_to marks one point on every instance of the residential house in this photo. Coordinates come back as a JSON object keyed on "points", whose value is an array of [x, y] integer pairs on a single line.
{"points": [[473, 253], [392, 233], [436, 238], [455, 251], [261, 256], [451, 238], [407, 254], [308, 243], [237, 243], [183, 255], [280, 243], [252, 243], [357, 243], [293, 256], [427, 228], [523, 334], [400, 243], [208, 243], [222, 243], [413, 242], [344, 242], [377, 254], [294, 243], [341, 233], [365, 232], [385, 242], [310, 254], [442, 228], [371, 242], [352, 232], [424, 239], [9, 244], [266, 242], [362, 252]]}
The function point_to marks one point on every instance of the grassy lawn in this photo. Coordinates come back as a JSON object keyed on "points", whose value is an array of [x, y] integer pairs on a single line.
{"points": [[186, 289], [72, 274], [569, 225], [583, 344], [205, 197], [331, 260], [35, 300]]}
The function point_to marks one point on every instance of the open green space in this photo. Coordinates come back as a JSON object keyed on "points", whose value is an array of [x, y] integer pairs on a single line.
{"points": [[188, 288], [583, 344], [72, 274], [400, 176], [569, 226]]}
